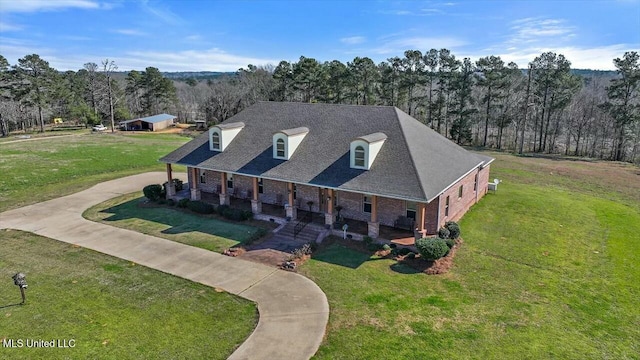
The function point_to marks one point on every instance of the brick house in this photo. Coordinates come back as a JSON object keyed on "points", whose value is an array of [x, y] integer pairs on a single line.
{"points": [[378, 164]]}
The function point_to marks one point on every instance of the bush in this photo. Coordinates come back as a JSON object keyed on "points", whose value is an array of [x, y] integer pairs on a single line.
{"points": [[171, 202], [153, 192], [368, 240], [443, 233], [222, 209], [411, 255], [450, 242], [182, 203], [162, 201], [403, 251], [454, 229], [432, 248], [200, 207], [386, 247]]}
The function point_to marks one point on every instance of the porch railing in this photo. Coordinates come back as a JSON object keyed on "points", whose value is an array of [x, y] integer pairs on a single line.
{"points": [[301, 224]]}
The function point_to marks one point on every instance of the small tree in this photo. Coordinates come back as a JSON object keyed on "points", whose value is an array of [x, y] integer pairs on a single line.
{"points": [[454, 229], [432, 248], [153, 192]]}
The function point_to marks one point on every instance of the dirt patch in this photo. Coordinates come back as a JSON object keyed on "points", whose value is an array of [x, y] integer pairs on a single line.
{"points": [[440, 266]]}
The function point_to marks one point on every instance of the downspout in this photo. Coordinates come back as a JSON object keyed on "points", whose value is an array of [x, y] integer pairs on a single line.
{"points": [[438, 224]]}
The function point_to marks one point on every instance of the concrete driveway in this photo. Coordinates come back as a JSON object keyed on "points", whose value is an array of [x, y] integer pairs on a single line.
{"points": [[293, 310]]}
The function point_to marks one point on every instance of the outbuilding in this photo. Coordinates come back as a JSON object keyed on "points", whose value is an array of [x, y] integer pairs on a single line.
{"points": [[151, 123]]}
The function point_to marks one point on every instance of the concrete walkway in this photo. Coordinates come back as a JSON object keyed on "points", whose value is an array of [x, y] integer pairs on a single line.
{"points": [[293, 310]]}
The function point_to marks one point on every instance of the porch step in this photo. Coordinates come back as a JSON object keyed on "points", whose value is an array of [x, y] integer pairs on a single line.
{"points": [[308, 234]]}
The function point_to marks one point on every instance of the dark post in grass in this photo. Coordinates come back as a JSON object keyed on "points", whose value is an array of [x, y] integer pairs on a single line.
{"points": [[21, 281]]}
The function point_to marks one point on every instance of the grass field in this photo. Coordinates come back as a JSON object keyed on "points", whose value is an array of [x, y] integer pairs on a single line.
{"points": [[33, 171], [111, 308], [549, 270], [212, 234]]}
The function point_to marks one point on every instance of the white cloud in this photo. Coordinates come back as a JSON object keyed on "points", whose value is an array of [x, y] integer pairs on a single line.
{"points": [[6, 27], [533, 29], [189, 60], [353, 40], [598, 58], [132, 32], [8, 6]]}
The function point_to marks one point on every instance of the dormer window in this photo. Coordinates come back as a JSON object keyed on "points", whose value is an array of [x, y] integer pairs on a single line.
{"points": [[215, 141], [280, 148], [221, 135], [359, 156], [285, 142], [364, 150]]}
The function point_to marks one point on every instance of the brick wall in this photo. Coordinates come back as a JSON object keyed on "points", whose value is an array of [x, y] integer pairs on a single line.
{"points": [[388, 209], [459, 206], [352, 206], [431, 217]]}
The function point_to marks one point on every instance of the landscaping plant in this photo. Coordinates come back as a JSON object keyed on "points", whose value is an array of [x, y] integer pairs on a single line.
{"points": [[432, 248]]}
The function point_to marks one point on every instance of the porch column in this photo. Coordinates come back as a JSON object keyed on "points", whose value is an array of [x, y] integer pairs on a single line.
{"points": [[256, 205], [374, 225], [422, 217], [328, 215], [195, 192], [171, 188], [224, 196], [289, 207]]}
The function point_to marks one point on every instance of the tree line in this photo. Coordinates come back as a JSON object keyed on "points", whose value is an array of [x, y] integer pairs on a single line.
{"points": [[545, 108]]}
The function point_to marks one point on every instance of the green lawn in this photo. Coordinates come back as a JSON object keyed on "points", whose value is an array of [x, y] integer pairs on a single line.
{"points": [[111, 308], [209, 233], [33, 171], [549, 269]]}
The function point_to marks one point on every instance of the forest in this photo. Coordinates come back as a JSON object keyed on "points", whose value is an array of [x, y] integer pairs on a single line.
{"points": [[547, 107]]}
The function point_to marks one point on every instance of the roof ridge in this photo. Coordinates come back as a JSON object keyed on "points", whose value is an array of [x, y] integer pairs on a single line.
{"points": [[413, 162], [323, 104]]}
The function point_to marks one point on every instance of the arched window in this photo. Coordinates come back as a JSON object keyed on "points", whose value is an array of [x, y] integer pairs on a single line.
{"points": [[280, 148], [215, 140], [359, 156]]}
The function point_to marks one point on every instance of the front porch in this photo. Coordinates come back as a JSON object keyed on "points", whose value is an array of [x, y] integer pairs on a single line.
{"points": [[365, 215]]}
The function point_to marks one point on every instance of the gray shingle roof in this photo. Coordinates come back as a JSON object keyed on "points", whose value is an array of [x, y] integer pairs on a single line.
{"points": [[415, 163]]}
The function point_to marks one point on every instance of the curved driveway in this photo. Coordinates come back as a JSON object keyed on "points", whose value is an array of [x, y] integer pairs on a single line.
{"points": [[293, 310]]}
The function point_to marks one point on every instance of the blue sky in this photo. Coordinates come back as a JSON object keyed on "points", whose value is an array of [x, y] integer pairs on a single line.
{"points": [[194, 35]]}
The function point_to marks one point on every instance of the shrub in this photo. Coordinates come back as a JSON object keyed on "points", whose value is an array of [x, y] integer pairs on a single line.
{"points": [[171, 202], [432, 248], [386, 247], [162, 201], [222, 209], [443, 233], [182, 203], [450, 242], [411, 255], [153, 192], [200, 207], [454, 229], [368, 240], [403, 251]]}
